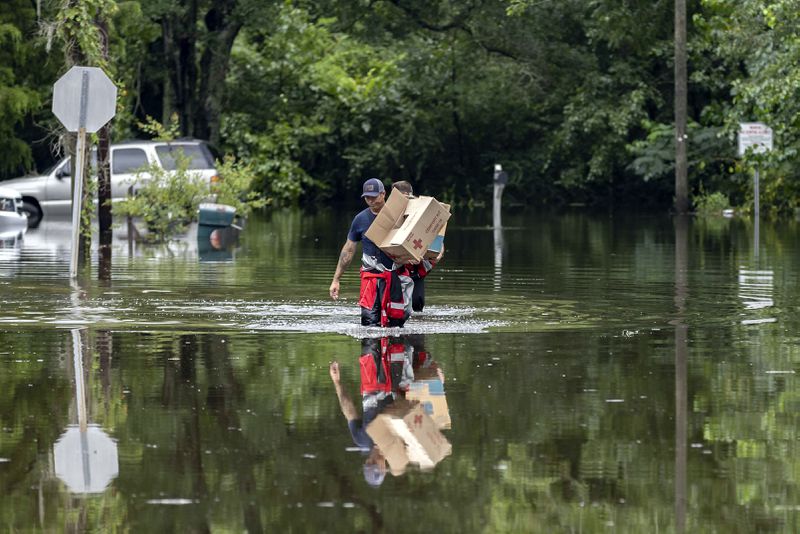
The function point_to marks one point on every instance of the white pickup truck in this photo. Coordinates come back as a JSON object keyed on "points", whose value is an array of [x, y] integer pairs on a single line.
{"points": [[51, 192]]}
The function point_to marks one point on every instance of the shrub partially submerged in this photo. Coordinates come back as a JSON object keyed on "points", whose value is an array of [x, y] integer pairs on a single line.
{"points": [[707, 204], [235, 187], [167, 201]]}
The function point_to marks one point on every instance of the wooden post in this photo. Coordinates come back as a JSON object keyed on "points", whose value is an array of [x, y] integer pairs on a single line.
{"points": [[681, 357], [681, 139]]}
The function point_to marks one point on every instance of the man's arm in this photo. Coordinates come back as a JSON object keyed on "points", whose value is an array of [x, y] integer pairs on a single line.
{"points": [[345, 402], [441, 254], [345, 257]]}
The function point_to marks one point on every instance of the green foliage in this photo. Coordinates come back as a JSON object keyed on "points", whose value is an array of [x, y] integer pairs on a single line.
{"points": [[316, 88], [779, 192], [758, 44], [574, 98], [235, 187], [165, 200], [132, 36], [17, 98], [709, 155], [162, 132], [708, 204], [76, 27]]}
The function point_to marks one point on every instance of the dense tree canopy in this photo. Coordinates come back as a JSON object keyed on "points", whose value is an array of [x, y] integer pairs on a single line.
{"points": [[573, 97]]}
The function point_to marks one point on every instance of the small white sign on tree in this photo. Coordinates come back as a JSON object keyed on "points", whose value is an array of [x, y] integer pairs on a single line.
{"points": [[758, 136], [754, 134]]}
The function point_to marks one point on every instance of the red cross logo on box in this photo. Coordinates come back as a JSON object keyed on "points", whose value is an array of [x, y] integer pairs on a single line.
{"points": [[417, 243]]}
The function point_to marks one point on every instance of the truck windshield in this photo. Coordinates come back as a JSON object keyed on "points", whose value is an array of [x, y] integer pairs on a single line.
{"points": [[198, 156]]}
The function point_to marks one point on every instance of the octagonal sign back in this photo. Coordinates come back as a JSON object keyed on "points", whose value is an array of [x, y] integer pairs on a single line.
{"points": [[84, 97]]}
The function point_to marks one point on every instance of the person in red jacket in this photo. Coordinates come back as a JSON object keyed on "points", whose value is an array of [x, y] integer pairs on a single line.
{"points": [[385, 286], [386, 372]]}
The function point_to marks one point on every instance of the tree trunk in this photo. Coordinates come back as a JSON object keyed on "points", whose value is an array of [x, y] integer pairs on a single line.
{"points": [[223, 29], [180, 47], [105, 234], [169, 87], [681, 139], [104, 177], [196, 87]]}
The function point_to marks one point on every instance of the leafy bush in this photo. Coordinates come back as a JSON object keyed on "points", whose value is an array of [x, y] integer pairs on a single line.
{"points": [[710, 203], [166, 201], [235, 187]]}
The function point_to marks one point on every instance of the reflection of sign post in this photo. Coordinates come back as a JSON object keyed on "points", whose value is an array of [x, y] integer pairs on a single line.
{"points": [[758, 137], [84, 99], [85, 457], [86, 460]]}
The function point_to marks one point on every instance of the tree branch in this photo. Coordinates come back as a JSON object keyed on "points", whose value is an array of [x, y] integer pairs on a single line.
{"points": [[458, 22]]}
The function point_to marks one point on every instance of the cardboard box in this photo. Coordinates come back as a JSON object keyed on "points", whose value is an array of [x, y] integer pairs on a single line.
{"points": [[406, 435], [438, 242], [405, 227], [429, 392]]}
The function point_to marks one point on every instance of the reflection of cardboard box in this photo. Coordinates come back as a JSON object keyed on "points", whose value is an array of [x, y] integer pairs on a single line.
{"points": [[429, 393], [405, 434], [405, 227]]}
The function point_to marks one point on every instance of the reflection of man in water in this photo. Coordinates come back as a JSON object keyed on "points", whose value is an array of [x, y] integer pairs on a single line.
{"points": [[386, 372]]}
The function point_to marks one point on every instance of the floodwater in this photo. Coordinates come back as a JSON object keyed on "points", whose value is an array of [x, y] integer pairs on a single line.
{"points": [[601, 374]]}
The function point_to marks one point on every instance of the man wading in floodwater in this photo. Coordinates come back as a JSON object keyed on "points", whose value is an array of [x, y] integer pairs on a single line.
{"points": [[385, 296]]}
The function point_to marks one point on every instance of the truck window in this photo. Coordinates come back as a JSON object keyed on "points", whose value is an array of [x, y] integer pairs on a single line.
{"points": [[199, 156], [7, 204], [128, 160]]}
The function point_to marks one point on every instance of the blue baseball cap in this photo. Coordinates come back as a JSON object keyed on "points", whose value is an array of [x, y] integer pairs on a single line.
{"points": [[372, 188], [374, 475]]}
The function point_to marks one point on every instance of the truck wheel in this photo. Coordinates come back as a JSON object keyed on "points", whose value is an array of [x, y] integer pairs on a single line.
{"points": [[32, 210]]}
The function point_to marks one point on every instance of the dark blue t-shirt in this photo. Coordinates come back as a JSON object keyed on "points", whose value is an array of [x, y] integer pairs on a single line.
{"points": [[358, 431], [358, 427], [361, 223]]}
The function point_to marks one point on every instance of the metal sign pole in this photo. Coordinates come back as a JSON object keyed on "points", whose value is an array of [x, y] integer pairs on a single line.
{"points": [[755, 193], [757, 137], [497, 206], [756, 217], [77, 176], [77, 198]]}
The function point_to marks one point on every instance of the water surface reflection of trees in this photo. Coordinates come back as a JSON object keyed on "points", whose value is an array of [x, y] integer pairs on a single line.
{"points": [[245, 428]]}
